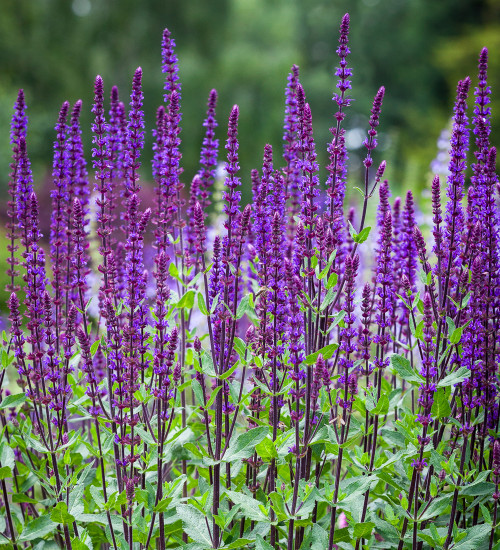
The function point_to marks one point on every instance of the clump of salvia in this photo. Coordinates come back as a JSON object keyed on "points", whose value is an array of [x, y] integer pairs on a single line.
{"points": [[260, 379]]}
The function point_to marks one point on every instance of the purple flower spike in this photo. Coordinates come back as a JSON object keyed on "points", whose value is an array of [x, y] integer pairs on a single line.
{"points": [[232, 167], [116, 145], [18, 130], [80, 255], [482, 113], [343, 72], [371, 141], [337, 167], [437, 219], [17, 333], [23, 192], [348, 379], [454, 219], [169, 65], [209, 153], [428, 370], [309, 180], [168, 186], [385, 302], [409, 250], [59, 197], [135, 134], [290, 152]]}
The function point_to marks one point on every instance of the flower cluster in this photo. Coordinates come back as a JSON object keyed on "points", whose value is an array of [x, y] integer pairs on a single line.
{"points": [[249, 380]]}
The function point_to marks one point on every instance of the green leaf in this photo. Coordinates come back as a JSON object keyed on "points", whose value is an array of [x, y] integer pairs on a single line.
{"points": [[94, 346], [456, 335], [332, 280], [194, 523], [477, 537], [382, 406], [456, 377], [326, 352], [249, 505], [240, 543], [198, 392], [266, 449], [363, 530], [261, 544], [174, 272], [436, 508], [336, 320], [361, 236], [478, 489], [441, 406], [244, 445], [246, 306], [230, 371], [13, 400], [403, 368], [215, 302], [324, 272], [207, 364], [240, 347], [37, 528], [21, 497], [60, 514], [327, 300], [202, 306], [213, 395], [97, 496], [5, 472], [187, 300]]}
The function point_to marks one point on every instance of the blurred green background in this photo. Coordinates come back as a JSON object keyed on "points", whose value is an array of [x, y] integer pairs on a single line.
{"points": [[418, 49]]}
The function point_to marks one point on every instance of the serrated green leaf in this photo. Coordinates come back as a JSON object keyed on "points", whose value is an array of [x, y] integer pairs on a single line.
{"points": [[37, 528], [477, 537], [213, 395], [456, 377], [382, 406], [332, 281], [194, 524], [202, 306], [261, 544], [229, 372], [326, 352], [198, 392], [21, 497], [441, 406], [404, 369], [436, 508], [244, 445], [60, 514], [246, 306], [187, 300], [362, 236], [240, 347], [266, 449], [363, 530], [13, 400]]}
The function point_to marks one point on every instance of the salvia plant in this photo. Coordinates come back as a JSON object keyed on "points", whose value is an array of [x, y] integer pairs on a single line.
{"points": [[271, 376]]}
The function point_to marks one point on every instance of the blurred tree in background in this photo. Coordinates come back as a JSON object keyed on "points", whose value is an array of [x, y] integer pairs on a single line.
{"points": [[418, 49]]}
